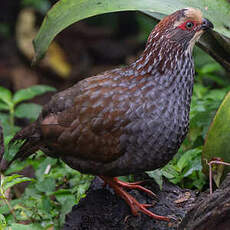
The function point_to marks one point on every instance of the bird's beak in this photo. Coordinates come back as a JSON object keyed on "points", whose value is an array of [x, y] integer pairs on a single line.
{"points": [[206, 24]]}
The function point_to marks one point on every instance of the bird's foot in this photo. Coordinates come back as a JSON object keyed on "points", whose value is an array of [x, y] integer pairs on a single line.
{"points": [[134, 185], [135, 206]]}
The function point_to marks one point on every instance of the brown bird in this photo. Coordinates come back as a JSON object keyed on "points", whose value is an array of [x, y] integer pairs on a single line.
{"points": [[127, 120]]}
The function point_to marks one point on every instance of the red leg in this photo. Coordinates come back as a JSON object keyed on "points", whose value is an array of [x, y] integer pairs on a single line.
{"points": [[130, 200], [134, 185]]}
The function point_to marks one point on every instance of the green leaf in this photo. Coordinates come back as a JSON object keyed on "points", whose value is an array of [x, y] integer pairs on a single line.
{"points": [[4, 208], [47, 185], [46, 204], [217, 144], [17, 181], [186, 158], [5, 122], [17, 166], [4, 106], [43, 166], [217, 173], [172, 173], [195, 165], [61, 195], [28, 110], [10, 152], [2, 222], [67, 200], [65, 13], [7, 179], [210, 67], [26, 227], [10, 181], [29, 93], [157, 176], [5, 96], [200, 180]]}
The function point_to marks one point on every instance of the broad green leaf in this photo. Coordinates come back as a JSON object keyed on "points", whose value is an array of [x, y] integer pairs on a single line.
{"points": [[46, 185], [7, 179], [65, 13], [187, 158], [217, 144], [29, 93], [17, 181], [5, 96], [10, 181], [28, 110]]}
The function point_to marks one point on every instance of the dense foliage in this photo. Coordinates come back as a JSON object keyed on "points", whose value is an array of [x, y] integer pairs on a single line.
{"points": [[55, 187]]}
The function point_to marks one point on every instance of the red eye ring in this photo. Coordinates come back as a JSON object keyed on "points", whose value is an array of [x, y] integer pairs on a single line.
{"points": [[188, 25]]}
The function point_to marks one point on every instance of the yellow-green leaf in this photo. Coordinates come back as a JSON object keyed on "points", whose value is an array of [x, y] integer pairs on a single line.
{"points": [[217, 144]]}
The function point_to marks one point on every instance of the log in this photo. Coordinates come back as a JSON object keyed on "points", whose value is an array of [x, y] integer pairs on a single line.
{"points": [[102, 209], [210, 212]]}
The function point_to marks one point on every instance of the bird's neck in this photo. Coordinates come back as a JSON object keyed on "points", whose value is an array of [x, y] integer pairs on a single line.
{"points": [[161, 55], [165, 68]]}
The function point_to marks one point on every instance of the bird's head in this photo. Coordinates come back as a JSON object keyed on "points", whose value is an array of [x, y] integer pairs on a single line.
{"points": [[183, 27], [172, 40]]}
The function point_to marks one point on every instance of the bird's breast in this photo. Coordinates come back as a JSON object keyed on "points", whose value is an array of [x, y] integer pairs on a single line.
{"points": [[159, 124]]}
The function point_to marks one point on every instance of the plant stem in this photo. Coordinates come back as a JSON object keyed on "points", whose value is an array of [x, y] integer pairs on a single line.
{"points": [[12, 117], [2, 193], [1, 145]]}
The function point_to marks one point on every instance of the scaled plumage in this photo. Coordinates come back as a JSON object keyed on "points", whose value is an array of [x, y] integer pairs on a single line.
{"points": [[130, 119]]}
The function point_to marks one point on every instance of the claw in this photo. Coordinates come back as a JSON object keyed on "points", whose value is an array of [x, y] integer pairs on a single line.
{"points": [[171, 217], [130, 200], [148, 205]]}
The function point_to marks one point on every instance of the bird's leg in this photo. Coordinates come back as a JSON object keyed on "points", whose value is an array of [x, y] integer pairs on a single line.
{"points": [[134, 185], [130, 200]]}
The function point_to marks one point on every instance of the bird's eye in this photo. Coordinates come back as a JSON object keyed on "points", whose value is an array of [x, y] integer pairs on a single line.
{"points": [[189, 25]]}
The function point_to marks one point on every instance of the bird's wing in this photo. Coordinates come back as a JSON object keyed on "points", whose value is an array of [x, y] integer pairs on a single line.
{"points": [[88, 119]]}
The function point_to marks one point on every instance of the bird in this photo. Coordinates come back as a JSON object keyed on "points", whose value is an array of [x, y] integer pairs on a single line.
{"points": [[127, 120]]}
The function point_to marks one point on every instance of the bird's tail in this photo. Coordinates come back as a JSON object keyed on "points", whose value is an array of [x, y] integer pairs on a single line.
{"points": [[30, 138]]}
